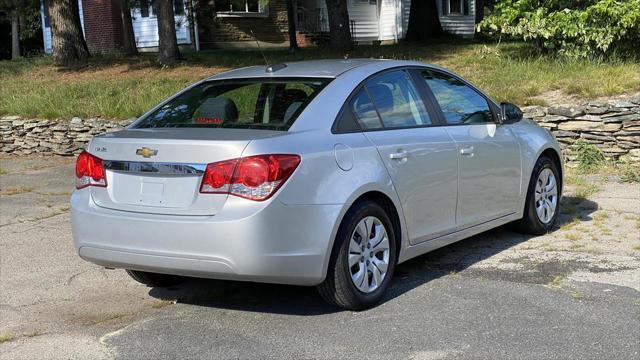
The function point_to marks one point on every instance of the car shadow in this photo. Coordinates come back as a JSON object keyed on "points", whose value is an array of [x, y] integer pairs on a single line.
{"points": [[305, 301]]}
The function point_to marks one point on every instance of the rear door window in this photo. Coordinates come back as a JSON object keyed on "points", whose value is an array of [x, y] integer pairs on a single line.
{"points": [[272, 104], [364, 111], [397, 100]]}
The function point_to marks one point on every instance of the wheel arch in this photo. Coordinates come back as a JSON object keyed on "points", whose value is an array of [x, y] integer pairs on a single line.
{"points": [[391, 207], [555, 157], [552, 153]]}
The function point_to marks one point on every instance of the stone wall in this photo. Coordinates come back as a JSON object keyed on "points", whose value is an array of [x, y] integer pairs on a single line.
{"points": [[30, 136], [612, 125]]}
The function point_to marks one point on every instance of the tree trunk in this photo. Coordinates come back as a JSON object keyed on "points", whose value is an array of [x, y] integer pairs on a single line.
{"points": [[69, 45], [168, 51], [15, 35], [128, 37], [291, 18], [424, 21], [479, 10], [339, 29]]}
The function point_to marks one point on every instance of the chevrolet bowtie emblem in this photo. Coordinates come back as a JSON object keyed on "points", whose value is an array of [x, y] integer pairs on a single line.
{"points": [[145, 152]]}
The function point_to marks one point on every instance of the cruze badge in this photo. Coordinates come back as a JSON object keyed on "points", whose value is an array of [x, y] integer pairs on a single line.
{"points": [[145, 152]]}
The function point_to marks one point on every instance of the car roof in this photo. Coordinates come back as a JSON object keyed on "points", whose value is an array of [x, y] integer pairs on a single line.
{"points": [[311, 68]]}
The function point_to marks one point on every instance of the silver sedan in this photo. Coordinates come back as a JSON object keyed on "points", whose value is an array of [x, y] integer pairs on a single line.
{"points": [[326, 173]]}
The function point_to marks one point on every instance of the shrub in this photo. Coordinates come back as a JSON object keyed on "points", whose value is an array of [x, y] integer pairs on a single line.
{"points": [[630, 172], [589, 157], [576, 28]]}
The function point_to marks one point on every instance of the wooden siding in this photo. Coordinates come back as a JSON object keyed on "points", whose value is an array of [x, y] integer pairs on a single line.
{"points": [[386, 20], [463, 25], [145, 29], [406, 10], [365, 16]]}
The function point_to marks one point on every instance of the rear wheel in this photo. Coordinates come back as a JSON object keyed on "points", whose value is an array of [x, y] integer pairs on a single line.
{"points": [[154, 279], [363, 259], [543, 199]]}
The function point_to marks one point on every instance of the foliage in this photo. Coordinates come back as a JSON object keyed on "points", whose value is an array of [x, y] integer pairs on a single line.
{"points": [[630, 172], [588, 156], [29, 13], [30, 23], [576, 28], [115, 86]]}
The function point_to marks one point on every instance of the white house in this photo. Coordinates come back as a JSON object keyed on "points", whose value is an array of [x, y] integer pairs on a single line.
{"points": [[387, 20], [458, 16], [243, 23], [371, 20], [100, 15]]}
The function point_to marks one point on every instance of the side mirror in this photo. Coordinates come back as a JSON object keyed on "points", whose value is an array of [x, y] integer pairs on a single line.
{"points": [[509, 113]]}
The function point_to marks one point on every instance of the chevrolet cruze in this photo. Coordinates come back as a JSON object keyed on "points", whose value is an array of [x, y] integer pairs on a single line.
{"points": [[326, 173]]}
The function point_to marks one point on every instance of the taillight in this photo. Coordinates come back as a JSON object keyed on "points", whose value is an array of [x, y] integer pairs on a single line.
{"points": [[89, 171], [253, 177]]}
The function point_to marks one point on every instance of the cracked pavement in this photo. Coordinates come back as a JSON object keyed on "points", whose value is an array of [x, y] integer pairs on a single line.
{"points": [[573, 293]]}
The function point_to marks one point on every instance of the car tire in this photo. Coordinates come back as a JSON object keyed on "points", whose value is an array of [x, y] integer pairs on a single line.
{"points": [[154, 279], [339, 288], [531, 222]]}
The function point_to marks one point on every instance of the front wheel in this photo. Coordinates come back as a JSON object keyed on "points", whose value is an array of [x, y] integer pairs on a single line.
{"points": [[543, 199], [363, 260]]}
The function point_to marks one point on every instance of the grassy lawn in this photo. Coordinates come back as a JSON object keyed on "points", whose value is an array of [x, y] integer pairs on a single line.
{"points": [[119, 87]]}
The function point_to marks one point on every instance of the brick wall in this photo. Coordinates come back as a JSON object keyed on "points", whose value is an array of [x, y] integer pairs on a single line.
{"points": [[102, 25], [273, 29]]}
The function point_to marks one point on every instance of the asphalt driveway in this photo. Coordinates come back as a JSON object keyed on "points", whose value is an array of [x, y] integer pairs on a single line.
{"points": [[574, 293]]}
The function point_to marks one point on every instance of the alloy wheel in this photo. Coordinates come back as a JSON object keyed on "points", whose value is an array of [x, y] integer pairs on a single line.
{"points": [[546, 196]]}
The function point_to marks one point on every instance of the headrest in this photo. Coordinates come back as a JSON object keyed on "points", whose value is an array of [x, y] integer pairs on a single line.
{"points": [[216, 110], [382, 97], [294, 95]]}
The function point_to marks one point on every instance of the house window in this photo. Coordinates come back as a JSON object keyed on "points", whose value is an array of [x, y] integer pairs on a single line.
{"points": [[455, 7], [148, 8], [47, 21], [240, 7], [144, 8], [178, 7]]}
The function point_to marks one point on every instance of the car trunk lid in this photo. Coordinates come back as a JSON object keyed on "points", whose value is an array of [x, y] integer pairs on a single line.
{"points": [[159, 171]]}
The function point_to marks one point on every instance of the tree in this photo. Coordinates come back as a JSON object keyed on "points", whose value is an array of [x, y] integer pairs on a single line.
{"points": [[339, 31], [15, 35], [424, 21], [20, 13], [291, 18], [69, 45], [128, 37], [574, 28], [168, 51], [479, 10]]}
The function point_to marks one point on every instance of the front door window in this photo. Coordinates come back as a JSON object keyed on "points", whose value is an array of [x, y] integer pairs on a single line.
{"points": [[460, 104]]}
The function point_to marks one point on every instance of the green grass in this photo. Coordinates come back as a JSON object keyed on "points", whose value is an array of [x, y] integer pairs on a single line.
{"points": [[122, 87], [556, 282], [630, 173], [5, 336]]}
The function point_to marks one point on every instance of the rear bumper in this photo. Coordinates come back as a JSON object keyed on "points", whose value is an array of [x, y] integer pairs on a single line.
{"points": [[263, 242]]}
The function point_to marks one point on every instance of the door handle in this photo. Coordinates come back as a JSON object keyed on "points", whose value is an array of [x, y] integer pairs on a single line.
{"points": [[400, 155], [468, 151]]}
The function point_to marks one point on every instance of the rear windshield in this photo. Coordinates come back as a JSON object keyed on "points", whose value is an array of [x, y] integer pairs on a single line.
{"points": [[272, 104]]}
